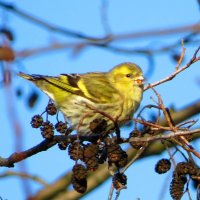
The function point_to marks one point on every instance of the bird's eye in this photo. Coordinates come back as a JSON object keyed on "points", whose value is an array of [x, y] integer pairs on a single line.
{"points": [[128, 75]]}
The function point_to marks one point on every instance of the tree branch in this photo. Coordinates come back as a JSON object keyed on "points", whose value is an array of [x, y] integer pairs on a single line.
{"points": [[193, 28], [177, 71], [42, 23], [25, 176]]}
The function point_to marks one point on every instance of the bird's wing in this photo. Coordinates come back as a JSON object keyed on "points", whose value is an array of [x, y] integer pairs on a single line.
{"points": [[92, 86], [57, 86]]}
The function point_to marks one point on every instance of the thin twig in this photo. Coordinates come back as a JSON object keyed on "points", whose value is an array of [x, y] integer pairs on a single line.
{"points": [[156, 126], [118, 192], [111, 192], [24, 175], [55, 46], [165, 111], [170, 154], [140, 34], [104, 17], [173, 75], [190, 122], [42, 23], [161, 137], [169, 118], [46, 144], [181, 57], [138, 154]]}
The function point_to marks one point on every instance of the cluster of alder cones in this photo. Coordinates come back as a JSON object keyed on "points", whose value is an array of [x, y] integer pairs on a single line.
{"points": [[182, 173], [89, 155]]}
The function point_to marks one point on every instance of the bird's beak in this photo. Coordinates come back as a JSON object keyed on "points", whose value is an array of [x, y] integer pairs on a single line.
{"points": [[139, 80]]}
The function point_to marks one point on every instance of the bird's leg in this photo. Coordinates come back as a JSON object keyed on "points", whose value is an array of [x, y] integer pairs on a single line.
{"points": [[117, 131]]}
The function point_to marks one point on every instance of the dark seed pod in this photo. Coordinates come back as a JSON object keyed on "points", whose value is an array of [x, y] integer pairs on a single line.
{"points": [[123, 161], [90, 156], [47, 130], [51, 109], [90, 150], [19, 92], [177, 186], [148, 129], [116, 155], [91, 163], [36, 121], [32, 99], [61, 127], [102, 155], [79, 185], [193, 170], [162, 166], [136, 145], [79, 172], [119, 181], [181, 168], [184, 168], [75, 151], [6, 54], [98, 126], [8, 33], [62, 145], [176, 56]]}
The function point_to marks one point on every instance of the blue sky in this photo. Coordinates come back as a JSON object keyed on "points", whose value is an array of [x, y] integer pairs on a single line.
{"points": [[85, 16]]}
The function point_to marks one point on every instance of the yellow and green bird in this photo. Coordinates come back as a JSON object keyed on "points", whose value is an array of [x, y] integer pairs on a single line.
{"points": [[82, 98]]}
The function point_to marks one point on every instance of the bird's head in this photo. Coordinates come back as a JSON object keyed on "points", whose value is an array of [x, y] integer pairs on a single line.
{"points": [[126, 75]]}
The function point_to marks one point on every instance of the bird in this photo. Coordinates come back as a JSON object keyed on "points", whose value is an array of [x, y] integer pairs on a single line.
{"points": [[112, 96]]}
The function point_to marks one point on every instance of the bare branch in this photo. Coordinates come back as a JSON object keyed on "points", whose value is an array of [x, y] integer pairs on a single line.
{"points": [[43, 146], [80, 46], [161, 137], [173, 75], [44, 24], [24, 175], [177, 116], [194, 28]]}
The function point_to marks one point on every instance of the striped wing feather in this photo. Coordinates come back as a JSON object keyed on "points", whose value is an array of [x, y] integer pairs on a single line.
{"points": [[92, 86]]}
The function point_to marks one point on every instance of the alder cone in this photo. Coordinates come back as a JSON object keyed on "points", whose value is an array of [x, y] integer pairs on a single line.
{"points": [[7, 54], [162, 166]]}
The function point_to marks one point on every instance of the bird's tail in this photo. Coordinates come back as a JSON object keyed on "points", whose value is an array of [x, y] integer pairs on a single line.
{"points": [[29, 77]]}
